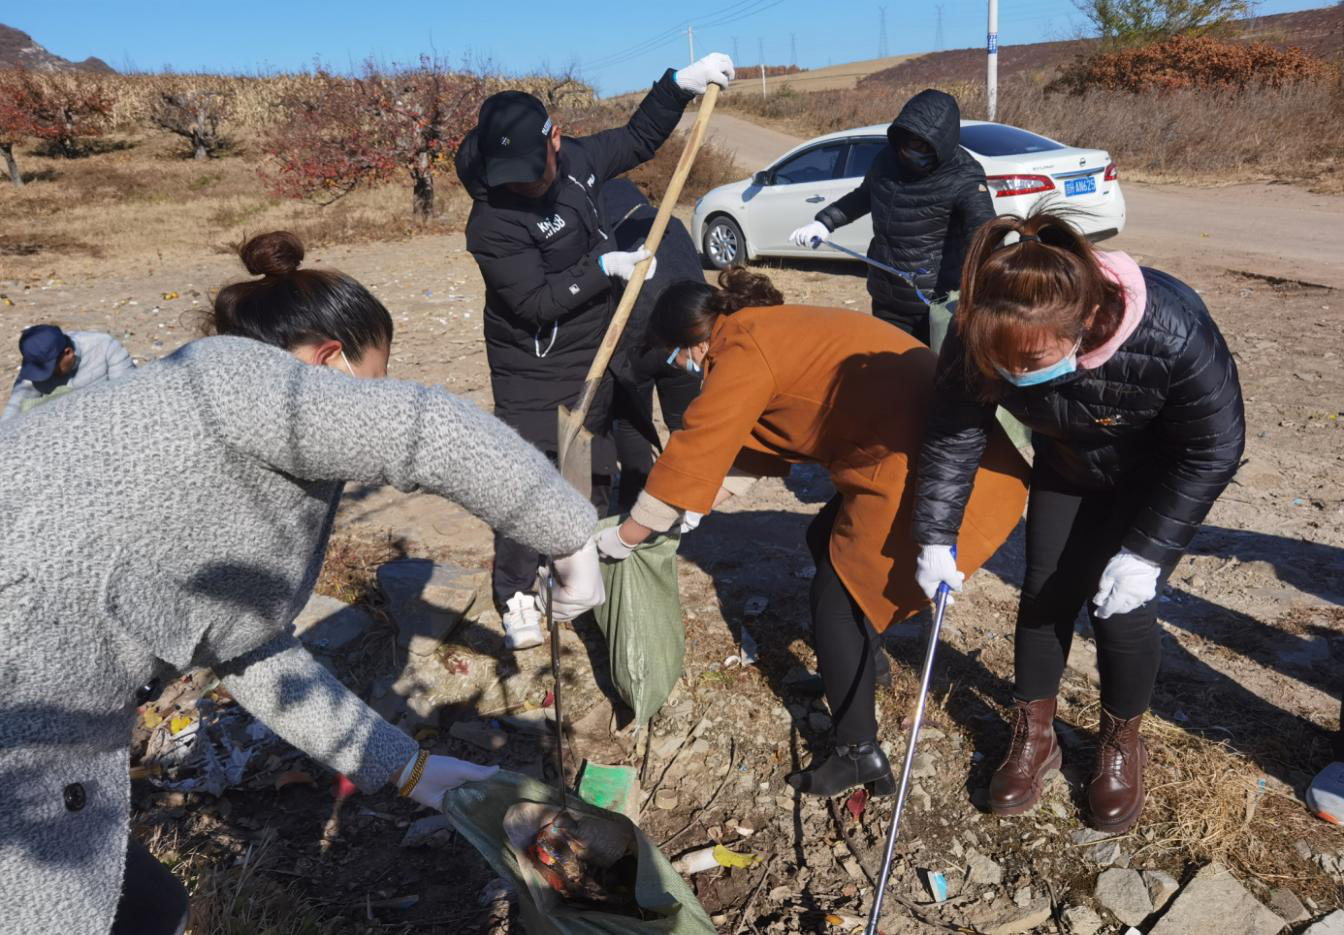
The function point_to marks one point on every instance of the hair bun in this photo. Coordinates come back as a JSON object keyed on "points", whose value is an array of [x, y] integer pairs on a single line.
{"points": [[277, 253]]}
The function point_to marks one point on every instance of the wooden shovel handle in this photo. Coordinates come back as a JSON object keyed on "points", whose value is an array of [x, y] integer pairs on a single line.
{"points": [[617, 327]]}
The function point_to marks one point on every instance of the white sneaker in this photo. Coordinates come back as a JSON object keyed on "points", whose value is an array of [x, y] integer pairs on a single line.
{"points": [[522, 622]]}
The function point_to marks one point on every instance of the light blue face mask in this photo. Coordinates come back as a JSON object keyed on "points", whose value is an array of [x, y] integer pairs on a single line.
{"points": [[690, 366], [1060, 368]]}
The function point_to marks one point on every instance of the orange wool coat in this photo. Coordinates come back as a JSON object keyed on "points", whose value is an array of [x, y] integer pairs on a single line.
{"points": [[791, 384]]}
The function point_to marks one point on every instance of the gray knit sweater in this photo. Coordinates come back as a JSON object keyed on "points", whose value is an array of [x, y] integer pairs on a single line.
{"points": [[179, 517]]}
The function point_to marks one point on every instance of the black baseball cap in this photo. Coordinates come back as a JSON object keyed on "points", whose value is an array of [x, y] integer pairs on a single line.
{"points": [[513, 130], [41, 347]]}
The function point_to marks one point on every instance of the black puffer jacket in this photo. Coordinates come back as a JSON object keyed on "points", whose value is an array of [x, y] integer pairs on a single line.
{"points": [[547, 303], [920, 222], [1163, 414]]}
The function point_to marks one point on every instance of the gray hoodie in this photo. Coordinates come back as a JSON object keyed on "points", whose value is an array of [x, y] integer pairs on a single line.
{"points": [[179, 518]]}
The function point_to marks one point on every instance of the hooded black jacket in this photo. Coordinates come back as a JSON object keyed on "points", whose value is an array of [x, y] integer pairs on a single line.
{"points": [[547, 303], [922, 224], [1163, 415]]}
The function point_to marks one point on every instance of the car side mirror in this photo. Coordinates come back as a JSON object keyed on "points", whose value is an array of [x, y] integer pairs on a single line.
{"points": [[761, 178]]}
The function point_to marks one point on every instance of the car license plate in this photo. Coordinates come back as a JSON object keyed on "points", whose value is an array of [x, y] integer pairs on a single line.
{"points": [[1087, 185]]}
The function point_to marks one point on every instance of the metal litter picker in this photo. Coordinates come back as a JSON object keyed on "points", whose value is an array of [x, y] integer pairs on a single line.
{"points": [[944, 596], [899, 274], [574, 447]]}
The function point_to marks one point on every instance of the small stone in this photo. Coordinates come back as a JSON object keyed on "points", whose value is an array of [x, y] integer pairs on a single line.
{"points": [[819, 722], [1333, 924], [1303, 849], [666, 747], [1022, 898], [1082, 920], [665, 799], [1215, 902], [852, 868], [700, 747], [1022, 920], [1105, 854], [431, 831], [1123, 893], [1089, 836], [920, 797], [1161, 887], [923, 767], [981, 870], [1285, 904]]}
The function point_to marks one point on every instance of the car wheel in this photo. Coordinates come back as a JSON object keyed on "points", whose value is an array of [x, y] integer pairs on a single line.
{"points": [[724, 245]]}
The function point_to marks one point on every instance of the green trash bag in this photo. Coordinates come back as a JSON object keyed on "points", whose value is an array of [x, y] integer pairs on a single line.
{"points": [[498, 816], [641, 619], [940, 319]]}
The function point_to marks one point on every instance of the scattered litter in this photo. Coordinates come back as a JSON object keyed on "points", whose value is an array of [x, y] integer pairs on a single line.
{"points": [[937, 885], [856, 802], [294, 777], [707, 858], [748, 653], [615, 788], [843, 922]]}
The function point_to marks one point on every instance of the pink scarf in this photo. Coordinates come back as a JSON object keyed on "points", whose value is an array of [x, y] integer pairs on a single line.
{"points": [[1119, 268]]}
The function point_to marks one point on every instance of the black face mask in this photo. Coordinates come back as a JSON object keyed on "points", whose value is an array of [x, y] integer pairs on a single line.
{"points": [[920, 163]]}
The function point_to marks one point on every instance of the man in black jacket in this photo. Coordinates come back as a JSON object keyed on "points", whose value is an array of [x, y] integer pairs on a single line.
{"points": [[553, 273], [928, 197]]}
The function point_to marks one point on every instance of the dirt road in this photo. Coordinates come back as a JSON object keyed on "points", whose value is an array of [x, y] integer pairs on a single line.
{"points": [[1265, 230]]}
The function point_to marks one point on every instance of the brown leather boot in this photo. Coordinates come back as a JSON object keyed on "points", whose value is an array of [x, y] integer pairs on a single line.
{"points": [[1034, 751], [1115, 794]]}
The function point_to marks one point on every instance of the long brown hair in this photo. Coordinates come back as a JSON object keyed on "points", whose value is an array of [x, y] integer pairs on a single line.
{"points": [[684, 314], [1045, 285]]}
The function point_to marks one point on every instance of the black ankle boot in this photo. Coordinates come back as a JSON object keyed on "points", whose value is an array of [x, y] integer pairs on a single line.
{"points": [[848, 767]]}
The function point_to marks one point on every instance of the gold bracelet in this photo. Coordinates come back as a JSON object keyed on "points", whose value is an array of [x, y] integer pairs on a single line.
{"points": [[416, 771]]}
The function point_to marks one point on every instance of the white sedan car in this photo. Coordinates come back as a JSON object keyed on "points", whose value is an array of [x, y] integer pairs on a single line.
{"points": [[754, 217]]}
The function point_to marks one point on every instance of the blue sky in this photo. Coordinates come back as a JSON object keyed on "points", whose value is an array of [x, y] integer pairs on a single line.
{"points": [[618, 46]]}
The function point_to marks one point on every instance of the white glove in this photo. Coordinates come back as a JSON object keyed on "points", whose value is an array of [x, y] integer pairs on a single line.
{"points": [[623, 264], [1127, 583], [936, 566], [440, 774], [578, 583], [804, 235], [714, 68], [690, 521], [610, 545]]}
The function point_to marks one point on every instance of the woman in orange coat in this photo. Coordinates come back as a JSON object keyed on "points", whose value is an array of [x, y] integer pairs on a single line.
{"points": [[790, 384]]}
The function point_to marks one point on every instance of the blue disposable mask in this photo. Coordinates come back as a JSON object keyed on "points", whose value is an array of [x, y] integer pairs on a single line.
{"points": [[1060, 368], [690, 366]]}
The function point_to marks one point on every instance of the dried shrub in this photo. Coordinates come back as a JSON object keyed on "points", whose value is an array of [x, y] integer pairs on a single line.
{"points": [[714, 166], [352, 133], [1191, 62]]}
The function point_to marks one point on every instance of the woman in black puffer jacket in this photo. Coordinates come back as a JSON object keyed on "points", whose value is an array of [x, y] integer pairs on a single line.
{"points": [[1137, 424]]}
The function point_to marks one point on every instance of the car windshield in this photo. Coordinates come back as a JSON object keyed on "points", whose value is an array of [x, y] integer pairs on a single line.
{"points": [[997, 139]]}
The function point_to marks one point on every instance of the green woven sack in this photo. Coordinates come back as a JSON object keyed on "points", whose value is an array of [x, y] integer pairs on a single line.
{"points": [[641, 619], [479, 810]]}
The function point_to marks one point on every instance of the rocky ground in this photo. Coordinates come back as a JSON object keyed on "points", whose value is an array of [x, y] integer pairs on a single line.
{"points": [[1254, 643]]}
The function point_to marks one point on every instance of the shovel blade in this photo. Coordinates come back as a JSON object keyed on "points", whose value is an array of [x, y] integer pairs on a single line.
{"points": [[575, 453]]}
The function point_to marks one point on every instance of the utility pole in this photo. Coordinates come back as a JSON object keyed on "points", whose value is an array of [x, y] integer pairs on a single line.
{"points": [[760, 51], [882, 32], [938, 36], [992, 61], [793, 49], [735, 56], [690, 42]]}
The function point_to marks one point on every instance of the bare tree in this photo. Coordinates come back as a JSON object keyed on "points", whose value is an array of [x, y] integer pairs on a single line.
{"points": [[1129, 22], [195, 115]]}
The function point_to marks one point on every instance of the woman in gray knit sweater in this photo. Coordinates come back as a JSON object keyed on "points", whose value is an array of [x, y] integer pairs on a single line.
{"points": [[179, 518]]}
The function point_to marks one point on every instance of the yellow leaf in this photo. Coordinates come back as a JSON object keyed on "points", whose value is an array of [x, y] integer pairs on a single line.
{"points": [[169, 296], [426, 733], [151, 718], [179, 723], [726, 858]]}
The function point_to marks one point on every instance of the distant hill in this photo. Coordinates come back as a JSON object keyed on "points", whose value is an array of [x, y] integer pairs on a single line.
{"points": [[18, 50], [1317, 32]]}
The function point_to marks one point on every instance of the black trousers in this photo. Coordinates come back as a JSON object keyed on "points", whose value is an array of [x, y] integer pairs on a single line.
{"points": [[153, 902], [846, 643], [1071, 535], [676, 390], [913, 323]]}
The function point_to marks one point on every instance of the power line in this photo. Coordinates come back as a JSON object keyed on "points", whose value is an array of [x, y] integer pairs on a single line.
{"points": [[731, 14], [793, 49], [736, 59], [882, 32]]}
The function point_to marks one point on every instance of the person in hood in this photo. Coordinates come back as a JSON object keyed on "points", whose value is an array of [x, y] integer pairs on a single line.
{"points": [[928, 197], [553, 275], [56, 363], [1137, 422]]}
